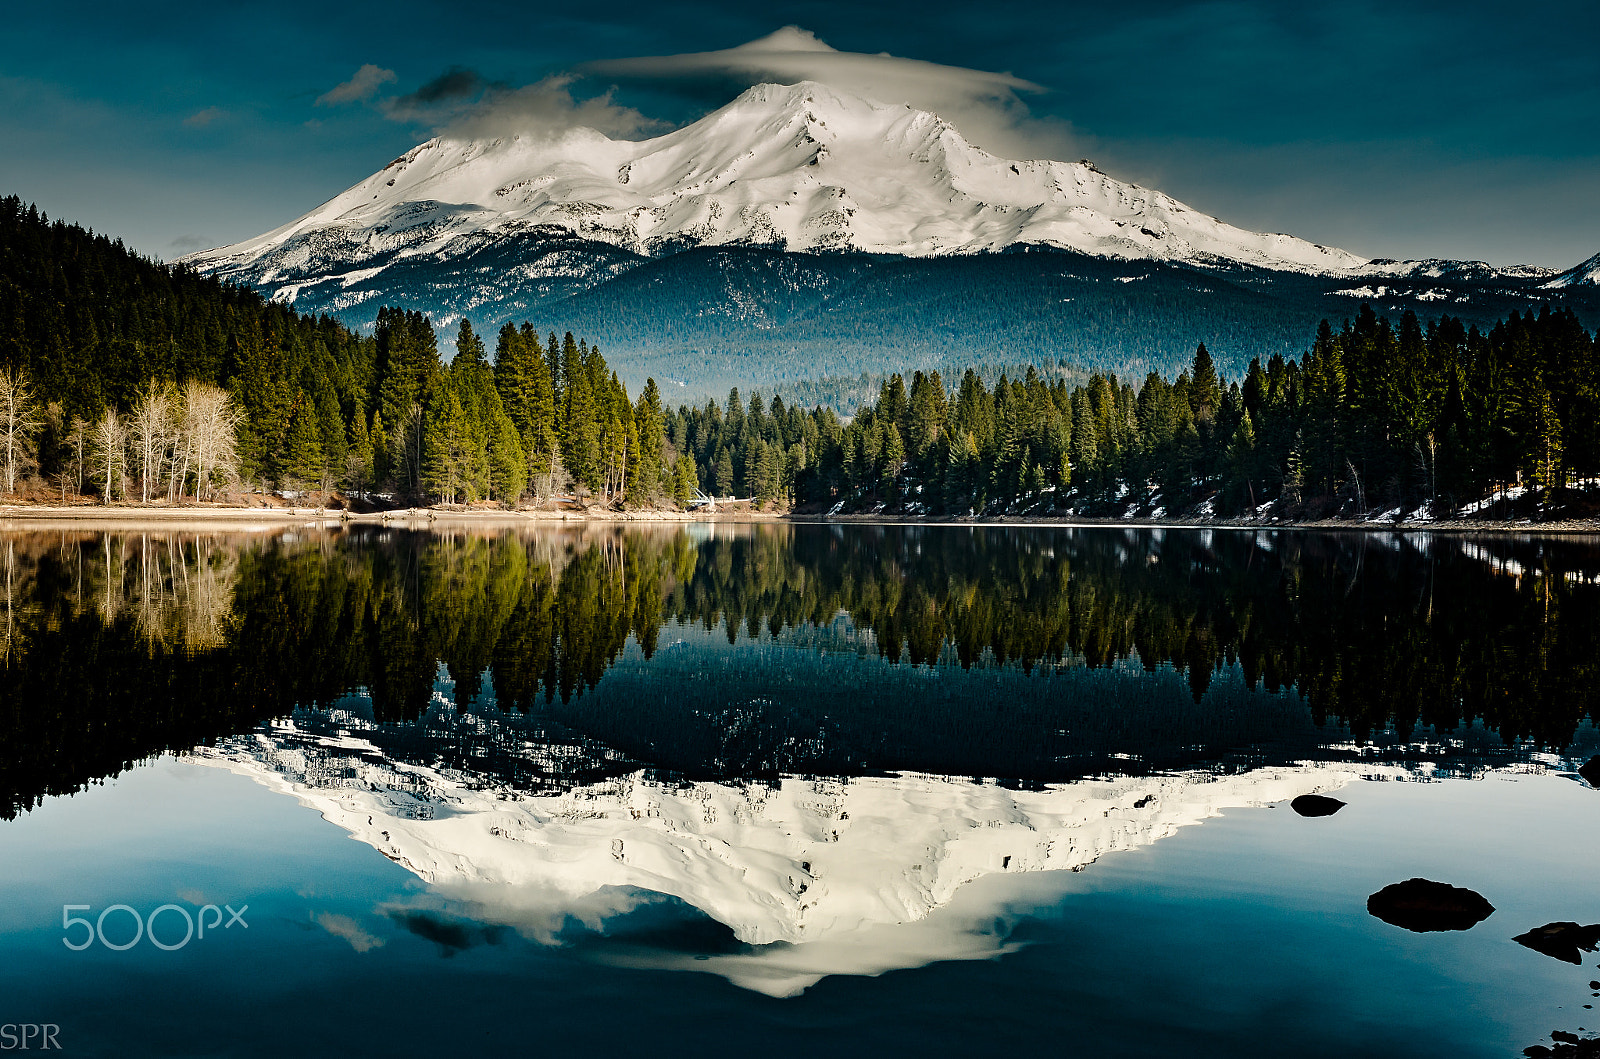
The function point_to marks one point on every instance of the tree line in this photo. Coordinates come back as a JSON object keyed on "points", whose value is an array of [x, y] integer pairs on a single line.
{"points": [[128, 379], [1376, 414]]}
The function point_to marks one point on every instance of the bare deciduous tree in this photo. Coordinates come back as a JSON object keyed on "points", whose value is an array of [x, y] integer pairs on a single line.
{"points": [[211, 425], [18, 423], [151, 429], [108, 440], [78, 437]]}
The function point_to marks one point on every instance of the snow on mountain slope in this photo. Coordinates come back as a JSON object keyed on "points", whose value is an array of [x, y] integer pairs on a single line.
{"points": [[1480, 272], [835, 868], [1587, 273], [801, 167]]}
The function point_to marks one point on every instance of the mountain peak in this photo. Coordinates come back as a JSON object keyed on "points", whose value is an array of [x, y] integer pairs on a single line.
{"points": [[802, 94], [799, 167]]}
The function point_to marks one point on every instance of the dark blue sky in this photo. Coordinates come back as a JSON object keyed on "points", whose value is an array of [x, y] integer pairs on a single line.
{"points": [[1402, 129]]}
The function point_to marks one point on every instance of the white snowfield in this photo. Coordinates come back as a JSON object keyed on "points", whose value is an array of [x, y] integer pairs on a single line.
{"points": [[1586, 273], [854, 876], [800, 167]]}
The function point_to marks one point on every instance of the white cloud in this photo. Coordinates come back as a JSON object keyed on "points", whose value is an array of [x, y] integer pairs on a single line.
{"points": [[363, 86], [548, 108], [987, 107], [202, 118], [348, 929], [462, 104]]}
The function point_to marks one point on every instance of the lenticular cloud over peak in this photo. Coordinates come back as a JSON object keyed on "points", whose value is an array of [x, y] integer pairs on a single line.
{"points": [[787, 39], [987, 106]]}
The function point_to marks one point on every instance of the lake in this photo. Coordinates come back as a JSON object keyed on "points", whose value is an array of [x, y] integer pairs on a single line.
{"points": [[716, 788]]}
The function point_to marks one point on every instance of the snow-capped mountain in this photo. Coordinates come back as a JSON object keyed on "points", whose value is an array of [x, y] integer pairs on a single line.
{"points": [[797, 167], [801, 232]]}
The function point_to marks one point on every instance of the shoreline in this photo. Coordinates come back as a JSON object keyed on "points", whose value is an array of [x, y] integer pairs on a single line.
{"points": [[1557, 526], [233, 517]]}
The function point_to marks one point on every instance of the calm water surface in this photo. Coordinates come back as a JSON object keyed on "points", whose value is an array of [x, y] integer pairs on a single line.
{"points": [[874, 790]]}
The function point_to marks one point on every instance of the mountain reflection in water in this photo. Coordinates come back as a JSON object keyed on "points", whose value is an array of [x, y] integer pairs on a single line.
{"points": [[843, 872], [853, 748]]}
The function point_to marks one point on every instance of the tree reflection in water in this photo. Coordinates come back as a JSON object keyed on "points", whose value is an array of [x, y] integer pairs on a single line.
{"points": [[120, 645]]}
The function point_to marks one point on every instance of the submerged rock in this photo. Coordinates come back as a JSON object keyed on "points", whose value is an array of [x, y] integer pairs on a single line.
{"points": [[1591, 771], [1422, 905], [1563, 941], [1316, 805]]}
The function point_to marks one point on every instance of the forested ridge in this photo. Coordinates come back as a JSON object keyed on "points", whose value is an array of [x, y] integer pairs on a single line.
{"points": [[704, 319], [1430, 417], [124, 378]]}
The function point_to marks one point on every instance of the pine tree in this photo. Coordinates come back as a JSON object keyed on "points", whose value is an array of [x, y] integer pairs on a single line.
{"points": [[648, 470], [580, 428], [445, 448], [1085, 438], [509, 474], [1205, 390], [894, 457], [303, 462], [358, 465], [331, 438], [261, 386], [769, 472], [378, 457], [523, 380], [408, 369], [1543, 453], [554, 356], [927, 413], [1294, 476], [1325, 384], [684, 481], [469, 347], [1037, 478], [482, 409], [754, 449], [1241, 457]]}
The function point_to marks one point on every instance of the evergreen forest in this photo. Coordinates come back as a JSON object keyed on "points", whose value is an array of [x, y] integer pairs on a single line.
{"points": [[124, 379], [1427, 418]]}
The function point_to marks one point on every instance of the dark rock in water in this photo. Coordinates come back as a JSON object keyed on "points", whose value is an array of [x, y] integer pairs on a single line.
{"points": [[1564, 941], [1422, 905], [1591, 771], [1316, 805], [1567, 1046]]}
